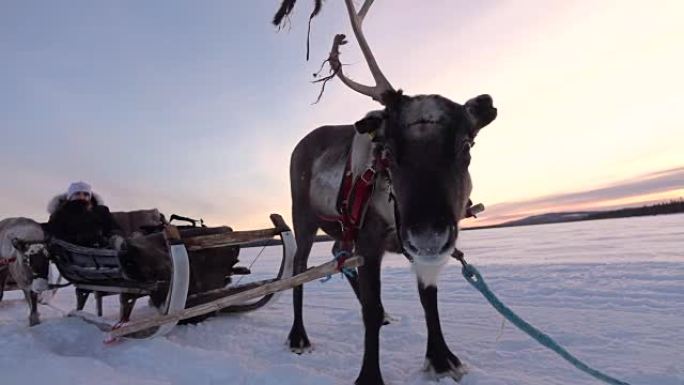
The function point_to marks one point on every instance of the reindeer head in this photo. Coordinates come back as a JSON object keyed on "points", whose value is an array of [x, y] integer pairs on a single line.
{"points": [[35, 257], [428, 140]]}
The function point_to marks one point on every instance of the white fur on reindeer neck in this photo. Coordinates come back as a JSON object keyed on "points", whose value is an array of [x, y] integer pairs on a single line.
{"points": [[362, 147]]}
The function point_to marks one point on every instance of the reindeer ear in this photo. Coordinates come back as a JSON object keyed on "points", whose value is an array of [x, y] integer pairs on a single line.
{"points": [[480, 111], [370, 123]]}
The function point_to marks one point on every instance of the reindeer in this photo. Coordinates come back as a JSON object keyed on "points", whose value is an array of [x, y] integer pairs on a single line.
{"points": [[416, 204], [21, 248]]}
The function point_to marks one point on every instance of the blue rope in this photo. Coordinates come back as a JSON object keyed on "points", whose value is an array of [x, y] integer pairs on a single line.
{"points": [[348, 271], [474, 278]]}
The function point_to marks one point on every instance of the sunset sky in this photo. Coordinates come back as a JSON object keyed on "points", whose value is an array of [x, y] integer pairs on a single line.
{"points": [[195, 107]]}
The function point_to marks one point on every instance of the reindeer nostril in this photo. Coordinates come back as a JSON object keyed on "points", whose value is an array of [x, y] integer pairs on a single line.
{"points": [[411, 247], [430, 243]]}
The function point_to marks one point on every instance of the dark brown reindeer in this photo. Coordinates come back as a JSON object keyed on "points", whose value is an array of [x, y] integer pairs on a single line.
{"points": [[417, 201]]}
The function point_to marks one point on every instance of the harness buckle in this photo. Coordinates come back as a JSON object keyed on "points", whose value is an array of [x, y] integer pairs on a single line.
{"points": [[368, 176]]}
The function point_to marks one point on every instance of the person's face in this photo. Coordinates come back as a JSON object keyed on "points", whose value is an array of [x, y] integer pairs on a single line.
{"points": [[81, 196]]}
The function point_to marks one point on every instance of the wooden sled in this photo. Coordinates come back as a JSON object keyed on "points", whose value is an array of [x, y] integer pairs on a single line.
{"points": [[106, 272]]}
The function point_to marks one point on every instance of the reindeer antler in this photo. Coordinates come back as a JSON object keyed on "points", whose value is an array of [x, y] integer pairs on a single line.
{"points": [[382, 85]]}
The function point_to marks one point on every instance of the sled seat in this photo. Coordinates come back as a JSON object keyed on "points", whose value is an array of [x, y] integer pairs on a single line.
{"points": [[93, 266]]}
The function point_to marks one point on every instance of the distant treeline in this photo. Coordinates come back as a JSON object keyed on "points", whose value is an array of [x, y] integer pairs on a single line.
{"points": [[671, 207]]}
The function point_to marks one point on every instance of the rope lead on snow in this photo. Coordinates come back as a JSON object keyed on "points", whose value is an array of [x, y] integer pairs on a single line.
{"points": [[475, 279]]}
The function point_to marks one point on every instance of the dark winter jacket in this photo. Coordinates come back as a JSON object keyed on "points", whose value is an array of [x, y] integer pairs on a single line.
{"points": [[73, 222]]}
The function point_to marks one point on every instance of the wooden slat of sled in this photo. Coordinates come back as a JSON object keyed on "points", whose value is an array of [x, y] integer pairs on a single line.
{"points": [[229, 239], [115, 289], [284, 284]]}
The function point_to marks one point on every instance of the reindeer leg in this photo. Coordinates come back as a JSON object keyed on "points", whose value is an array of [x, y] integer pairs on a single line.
{"points": [[34, 318], [373, 314], [439, 360], [354, 283], [32, 301], [371, 247], [3, 278], [98, 303], [126, 303], [81, 298], [305, 231]]}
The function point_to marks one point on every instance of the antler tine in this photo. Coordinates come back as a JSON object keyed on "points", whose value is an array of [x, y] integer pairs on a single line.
{"points": [[381, 83], [364, 9]]}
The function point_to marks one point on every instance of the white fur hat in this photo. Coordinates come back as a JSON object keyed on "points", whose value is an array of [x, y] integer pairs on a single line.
{"points": [[78, 187]]}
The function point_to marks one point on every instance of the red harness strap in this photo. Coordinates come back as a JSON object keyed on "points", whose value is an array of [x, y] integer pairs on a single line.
{"points": [[7, 261], [355, 193]]}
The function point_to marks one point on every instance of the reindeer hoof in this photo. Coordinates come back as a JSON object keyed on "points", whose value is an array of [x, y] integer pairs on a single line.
{"points": [[298, 340], [388, 319], [455, 371], [34, 321], [303, 347], [300, 351], [369, 379], [299, 344]]}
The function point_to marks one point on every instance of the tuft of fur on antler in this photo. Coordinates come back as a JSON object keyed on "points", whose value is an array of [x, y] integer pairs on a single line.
{"points": [[286, 8], [317, 8]]}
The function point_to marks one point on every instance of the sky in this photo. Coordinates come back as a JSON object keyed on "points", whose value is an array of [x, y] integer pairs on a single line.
{"points": [[195, 107]]}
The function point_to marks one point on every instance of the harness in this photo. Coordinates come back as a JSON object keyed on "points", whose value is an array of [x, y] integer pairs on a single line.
{"points": [[7, 261], [354, 197]]}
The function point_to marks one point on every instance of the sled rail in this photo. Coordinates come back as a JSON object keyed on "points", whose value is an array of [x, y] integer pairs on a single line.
{"points": [[314, 273], [229, 239], [238, 237]]}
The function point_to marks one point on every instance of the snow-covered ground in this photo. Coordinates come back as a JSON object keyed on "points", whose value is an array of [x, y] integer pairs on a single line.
{"points": [[610, 291]]}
